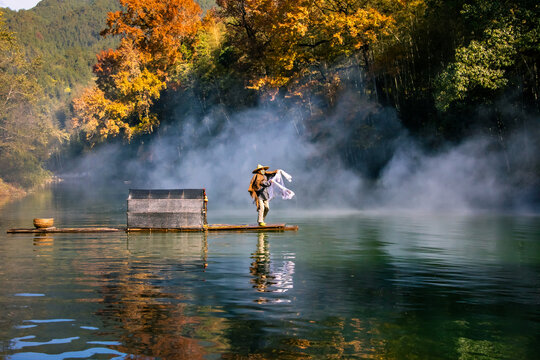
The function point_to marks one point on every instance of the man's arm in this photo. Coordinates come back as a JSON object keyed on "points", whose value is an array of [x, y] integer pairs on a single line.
{"points": [[271, 174]]}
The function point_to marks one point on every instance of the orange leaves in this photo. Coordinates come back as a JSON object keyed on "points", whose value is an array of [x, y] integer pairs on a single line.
{"points": [[157, 28], [156, 39]]}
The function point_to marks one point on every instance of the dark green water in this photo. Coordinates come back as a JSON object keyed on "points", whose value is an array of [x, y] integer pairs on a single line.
{"points": [[346, 285]]}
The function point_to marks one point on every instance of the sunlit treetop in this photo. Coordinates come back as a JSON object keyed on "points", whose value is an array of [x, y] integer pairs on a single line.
{"points": [[286, 38], [156, 40], [158, 29]]}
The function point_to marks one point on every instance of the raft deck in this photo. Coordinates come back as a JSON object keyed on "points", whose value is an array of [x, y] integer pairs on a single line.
{"points": [[223, 227], [212, 227], [63, 230]]}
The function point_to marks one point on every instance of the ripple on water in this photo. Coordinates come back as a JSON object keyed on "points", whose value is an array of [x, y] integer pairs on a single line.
{"points": [[19, 343], [46, 321], [428, 287], [89, 328], [106, 343], [82, 354], [48, 349]]}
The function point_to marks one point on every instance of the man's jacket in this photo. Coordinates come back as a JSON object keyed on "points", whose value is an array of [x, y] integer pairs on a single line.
{"points": [[256, 185]]}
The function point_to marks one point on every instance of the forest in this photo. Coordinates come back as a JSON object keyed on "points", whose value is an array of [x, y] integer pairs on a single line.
{"points": [[117, 72]]}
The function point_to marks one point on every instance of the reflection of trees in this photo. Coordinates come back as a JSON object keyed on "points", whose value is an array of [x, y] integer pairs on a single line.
{"points": [[330, 338], [469, 349], [355, 305], [150, 327], [154, 322], [333, 310]]}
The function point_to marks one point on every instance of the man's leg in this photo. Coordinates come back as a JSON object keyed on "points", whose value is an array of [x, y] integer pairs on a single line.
{"points": [[266, 204], [260, 220]]}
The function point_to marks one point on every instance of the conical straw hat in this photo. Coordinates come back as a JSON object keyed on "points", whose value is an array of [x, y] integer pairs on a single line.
{"points": [[260, 167]]}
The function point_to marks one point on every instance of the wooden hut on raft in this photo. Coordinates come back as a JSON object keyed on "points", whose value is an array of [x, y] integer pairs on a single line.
{"points": [[167, 209]]}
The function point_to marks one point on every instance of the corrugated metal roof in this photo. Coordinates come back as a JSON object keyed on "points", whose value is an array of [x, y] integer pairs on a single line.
{"points": [[166, 194]]}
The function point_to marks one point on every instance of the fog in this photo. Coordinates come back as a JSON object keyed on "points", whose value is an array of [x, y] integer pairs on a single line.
{"points": [[219, 152]]}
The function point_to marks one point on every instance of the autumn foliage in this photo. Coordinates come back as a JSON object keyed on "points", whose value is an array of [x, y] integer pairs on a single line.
{"points": [[274, 44], [160, 30], [156, 38], [287, 40], [399, 53]]}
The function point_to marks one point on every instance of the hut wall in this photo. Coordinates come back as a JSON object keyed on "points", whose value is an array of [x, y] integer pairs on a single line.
{"points": [[166, 209]]}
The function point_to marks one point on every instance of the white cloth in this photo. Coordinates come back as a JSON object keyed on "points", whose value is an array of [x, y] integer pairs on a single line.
{"points": [[277, 186]]}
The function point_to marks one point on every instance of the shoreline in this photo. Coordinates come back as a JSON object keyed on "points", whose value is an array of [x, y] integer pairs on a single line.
{"points": [[11, 192]]}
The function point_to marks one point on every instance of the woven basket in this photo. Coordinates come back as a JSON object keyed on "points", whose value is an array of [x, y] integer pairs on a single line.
{"points": [[43, 223]]}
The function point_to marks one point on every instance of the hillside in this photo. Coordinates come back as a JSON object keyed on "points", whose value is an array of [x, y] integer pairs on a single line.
{"points": [[46, 59], [65, 34]]}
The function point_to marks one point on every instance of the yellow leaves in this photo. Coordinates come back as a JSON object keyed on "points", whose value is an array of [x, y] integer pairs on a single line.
{"points": [[269, 85], [296, 22], [148, 83], [146, 124], [144, 83], [97, 116], [337, 36], [283, 38], [100, 117], [156, 38], [354, 30]]}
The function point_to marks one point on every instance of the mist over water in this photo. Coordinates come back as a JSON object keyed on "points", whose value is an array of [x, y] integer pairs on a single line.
{"points": [[476, 175], [220, 151]]}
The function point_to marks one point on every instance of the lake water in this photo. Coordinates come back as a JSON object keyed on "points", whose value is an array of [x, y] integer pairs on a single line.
{"points": [[346, 285]]}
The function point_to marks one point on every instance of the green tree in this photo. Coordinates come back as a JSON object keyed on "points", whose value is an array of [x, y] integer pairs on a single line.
{"points": [[503, 53], [65, 35], [480, 68], [26, 132]]}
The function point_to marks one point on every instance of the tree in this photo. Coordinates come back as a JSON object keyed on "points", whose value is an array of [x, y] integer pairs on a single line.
{"points": [[479, 67], [288, 40], [161, 31], [65, 35], [26, 130], [506, 52], [156, 43], [120, 101]]}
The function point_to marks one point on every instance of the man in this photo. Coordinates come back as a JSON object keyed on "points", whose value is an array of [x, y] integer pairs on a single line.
{"points": [[258, 189]]}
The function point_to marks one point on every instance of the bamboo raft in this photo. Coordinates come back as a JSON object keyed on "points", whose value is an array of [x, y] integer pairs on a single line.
{"points": [[159, 210], [212, 227], [223, 227], [53, 230]]}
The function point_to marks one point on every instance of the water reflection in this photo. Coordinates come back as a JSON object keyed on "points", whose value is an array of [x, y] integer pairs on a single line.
{"points": [[358, 286], [260, 267], [22, 342], [83, 354], [185, 247], [149, 304], [43, 240], [270, 276]]}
